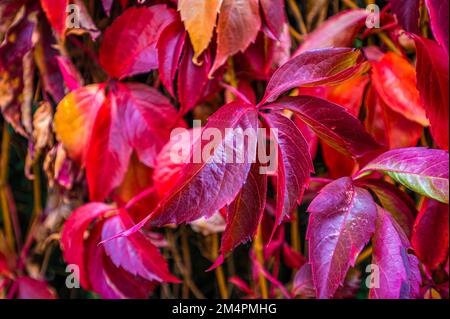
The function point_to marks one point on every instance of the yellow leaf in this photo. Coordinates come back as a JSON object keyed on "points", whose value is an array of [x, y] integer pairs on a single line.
{"points": [[199, 17]]}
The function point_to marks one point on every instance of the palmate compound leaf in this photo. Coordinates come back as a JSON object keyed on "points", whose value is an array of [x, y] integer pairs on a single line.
{"points": [[207, 182], [102, 131], [424, 171], [129, 44], [342, 222], [397, 274], [315, 68]]}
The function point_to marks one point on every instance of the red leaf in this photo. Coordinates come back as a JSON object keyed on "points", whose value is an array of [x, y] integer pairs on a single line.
{"points": [[315, 68], [55, 10], [342, 131], [192, 79], [294, 165], [108, 152], [430, 237], [245, 212], [136, 254], [395, 81], [129, 44], [338, 31], [274, 17], [73, 236], [398, 273], [438, 10], [208, 180], [237, 17], [29, 288], [432, 81], [107, 280], [389, 128], [170, 47], [408, 13], [341, 223]]}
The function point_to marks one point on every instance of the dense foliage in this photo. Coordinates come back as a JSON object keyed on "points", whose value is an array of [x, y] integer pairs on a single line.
{"points": [[96, 95]]}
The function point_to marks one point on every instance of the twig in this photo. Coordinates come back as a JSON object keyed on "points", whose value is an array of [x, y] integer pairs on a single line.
{"points": [[350, 4], [298, 17], [4, 164], [181, 268]]}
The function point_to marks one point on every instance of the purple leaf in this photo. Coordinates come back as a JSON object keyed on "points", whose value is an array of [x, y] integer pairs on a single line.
{"points": [[396, 202], [294, 165], [315, 68], [341, 223], [245, 213], [408, 14], [398, 274]]}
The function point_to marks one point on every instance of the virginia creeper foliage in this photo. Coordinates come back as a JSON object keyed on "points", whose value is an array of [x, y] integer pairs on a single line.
{"points": [[341, 192]]}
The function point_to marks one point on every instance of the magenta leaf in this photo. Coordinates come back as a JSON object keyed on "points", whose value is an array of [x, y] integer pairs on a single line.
{"points": [[393, 200], [342, 131], [424, 171], [129, 44], [294, 165], [274, 17], [136, 254], [315, 68], [438, 10], [342, 222], [430, 236], [408, 14], [397, 274], [72, 236]]}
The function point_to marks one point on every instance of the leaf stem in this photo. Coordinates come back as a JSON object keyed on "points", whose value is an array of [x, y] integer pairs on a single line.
{"points": [[258, 246], [220, 275]]}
